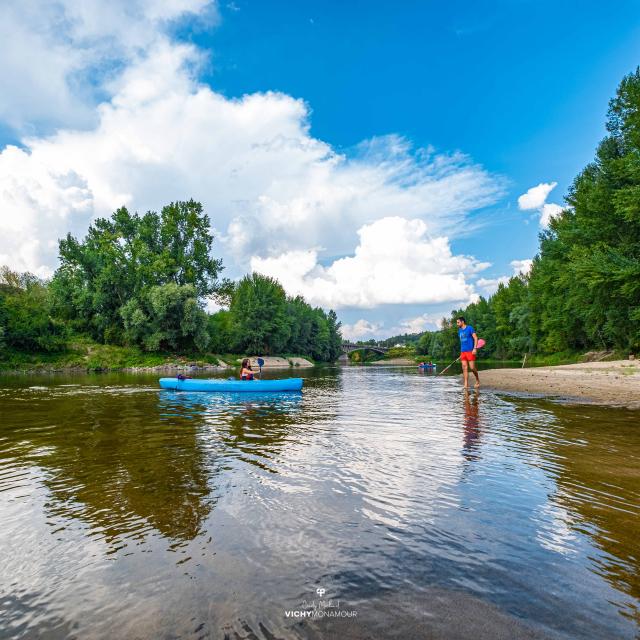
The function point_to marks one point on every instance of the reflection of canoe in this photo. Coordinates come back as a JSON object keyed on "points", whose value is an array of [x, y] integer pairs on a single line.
{"points": [[195, 384]]}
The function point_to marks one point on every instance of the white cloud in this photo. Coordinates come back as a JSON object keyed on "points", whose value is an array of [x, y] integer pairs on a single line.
{"points": [[268, 186], [489, 286], [362, 329], [423, 322], [57, 54], [548, 212], [281, 200], [418, 324], [395, 262], [536, 199], [521, 266], [36, 207]]}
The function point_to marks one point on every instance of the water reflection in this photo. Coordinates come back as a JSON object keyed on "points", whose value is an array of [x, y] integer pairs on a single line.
{"points": [[187, 514], [471, 447], [251, 426], [594, 460], [109, 465], [135, 462]]}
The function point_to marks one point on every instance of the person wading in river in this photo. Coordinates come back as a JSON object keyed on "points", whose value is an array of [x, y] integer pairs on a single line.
{"points": [[468, 350]]}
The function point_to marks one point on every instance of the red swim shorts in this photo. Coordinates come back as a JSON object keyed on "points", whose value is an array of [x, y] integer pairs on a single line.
{"points": [[469, 356]]}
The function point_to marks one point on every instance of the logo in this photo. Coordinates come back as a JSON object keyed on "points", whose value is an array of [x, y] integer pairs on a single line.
{"points": [[320, 608]]}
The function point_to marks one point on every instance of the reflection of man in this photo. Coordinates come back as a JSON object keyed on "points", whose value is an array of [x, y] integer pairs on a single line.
{"points": [[471, 423], [468, 350]]}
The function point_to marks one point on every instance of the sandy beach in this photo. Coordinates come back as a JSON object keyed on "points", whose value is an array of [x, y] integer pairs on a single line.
{"points": [[614, 383], [274, 362], [405, 362]]}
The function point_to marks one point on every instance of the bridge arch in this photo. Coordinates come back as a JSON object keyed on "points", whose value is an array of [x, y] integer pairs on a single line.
{"points": [[349, 347]]}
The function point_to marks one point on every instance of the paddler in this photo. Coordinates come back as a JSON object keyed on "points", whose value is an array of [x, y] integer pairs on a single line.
{"points": [[246, 373]]}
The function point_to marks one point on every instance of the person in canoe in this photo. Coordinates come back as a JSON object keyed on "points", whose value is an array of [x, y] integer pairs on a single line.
{"points": [[246, 373], [468, 350]]}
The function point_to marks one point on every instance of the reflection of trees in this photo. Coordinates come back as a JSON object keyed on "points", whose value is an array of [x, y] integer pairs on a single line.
{"points": [[130, 462], [252, 427], [110, 462], [594, 456]]}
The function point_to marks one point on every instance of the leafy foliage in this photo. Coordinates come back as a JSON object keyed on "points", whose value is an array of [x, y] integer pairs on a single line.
{"points": [[167, 317], [259, 315], [583, 291], [141, 282], [262, 319], [26, 322], [122, 259]]}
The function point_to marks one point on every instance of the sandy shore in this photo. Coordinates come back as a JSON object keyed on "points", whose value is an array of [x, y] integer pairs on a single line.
{"points": [[395, 361], [614, 383], [273, 362]]}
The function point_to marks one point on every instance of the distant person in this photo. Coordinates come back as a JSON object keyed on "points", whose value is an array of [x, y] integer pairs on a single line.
{"points": [[468, 350], [246, 373]]}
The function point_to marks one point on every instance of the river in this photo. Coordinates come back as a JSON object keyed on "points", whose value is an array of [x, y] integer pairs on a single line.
{"points": [[379, 503]]}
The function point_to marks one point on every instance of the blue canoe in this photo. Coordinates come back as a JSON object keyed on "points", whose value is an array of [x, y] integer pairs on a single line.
{"points": [[427, 366], [195, 384]]}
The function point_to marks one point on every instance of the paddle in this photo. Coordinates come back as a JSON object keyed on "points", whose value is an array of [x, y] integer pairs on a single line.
{"points": [[480, 344]]}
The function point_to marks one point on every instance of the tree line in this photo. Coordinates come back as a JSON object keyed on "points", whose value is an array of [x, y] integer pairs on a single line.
{"points": [[583, 290], [143, 280]]}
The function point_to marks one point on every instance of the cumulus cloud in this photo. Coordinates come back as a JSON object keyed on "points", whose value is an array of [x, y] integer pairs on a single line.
{"points": [[521, 266], [280, 200], [396, 261], [268, 186], [364, 329], [548, 212], [418, 324], [536, 196], [489, 286], [56, 55], [361, 329], [536, 199]]}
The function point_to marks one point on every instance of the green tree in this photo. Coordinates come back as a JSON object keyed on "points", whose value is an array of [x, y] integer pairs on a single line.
{"points": [[583, 290], [122, 258], [166, 317], [220, 327], [25, 314], [259, 315]]}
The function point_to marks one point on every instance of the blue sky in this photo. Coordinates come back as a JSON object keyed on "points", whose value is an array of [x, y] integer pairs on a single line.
{"points": [[519, 87]]}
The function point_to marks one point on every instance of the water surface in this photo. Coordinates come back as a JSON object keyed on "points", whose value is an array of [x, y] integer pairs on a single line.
{"points": [[391, 498]]}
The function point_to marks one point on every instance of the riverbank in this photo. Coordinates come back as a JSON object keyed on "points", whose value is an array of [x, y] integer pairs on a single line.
{"points": [[615, 383], [88, 356], [394, 361]]}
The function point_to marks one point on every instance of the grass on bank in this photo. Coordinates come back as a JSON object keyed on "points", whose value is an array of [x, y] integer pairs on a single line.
{"points": [[84, 354]]}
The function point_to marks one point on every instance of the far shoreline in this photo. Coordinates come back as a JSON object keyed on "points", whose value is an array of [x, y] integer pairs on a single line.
{"points": [[187, 365]]}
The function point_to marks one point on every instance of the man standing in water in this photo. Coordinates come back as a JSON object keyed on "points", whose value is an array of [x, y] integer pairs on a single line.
{"points": [[468, 350]]}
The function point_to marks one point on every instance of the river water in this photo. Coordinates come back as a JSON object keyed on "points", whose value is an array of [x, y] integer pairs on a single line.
{"points": [[379, 503]]}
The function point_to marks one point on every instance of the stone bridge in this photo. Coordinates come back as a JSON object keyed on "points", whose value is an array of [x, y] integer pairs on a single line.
{"points": [[348, 347]]}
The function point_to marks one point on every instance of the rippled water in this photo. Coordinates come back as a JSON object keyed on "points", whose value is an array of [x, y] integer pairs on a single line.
{"points": [[421, 511]]}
